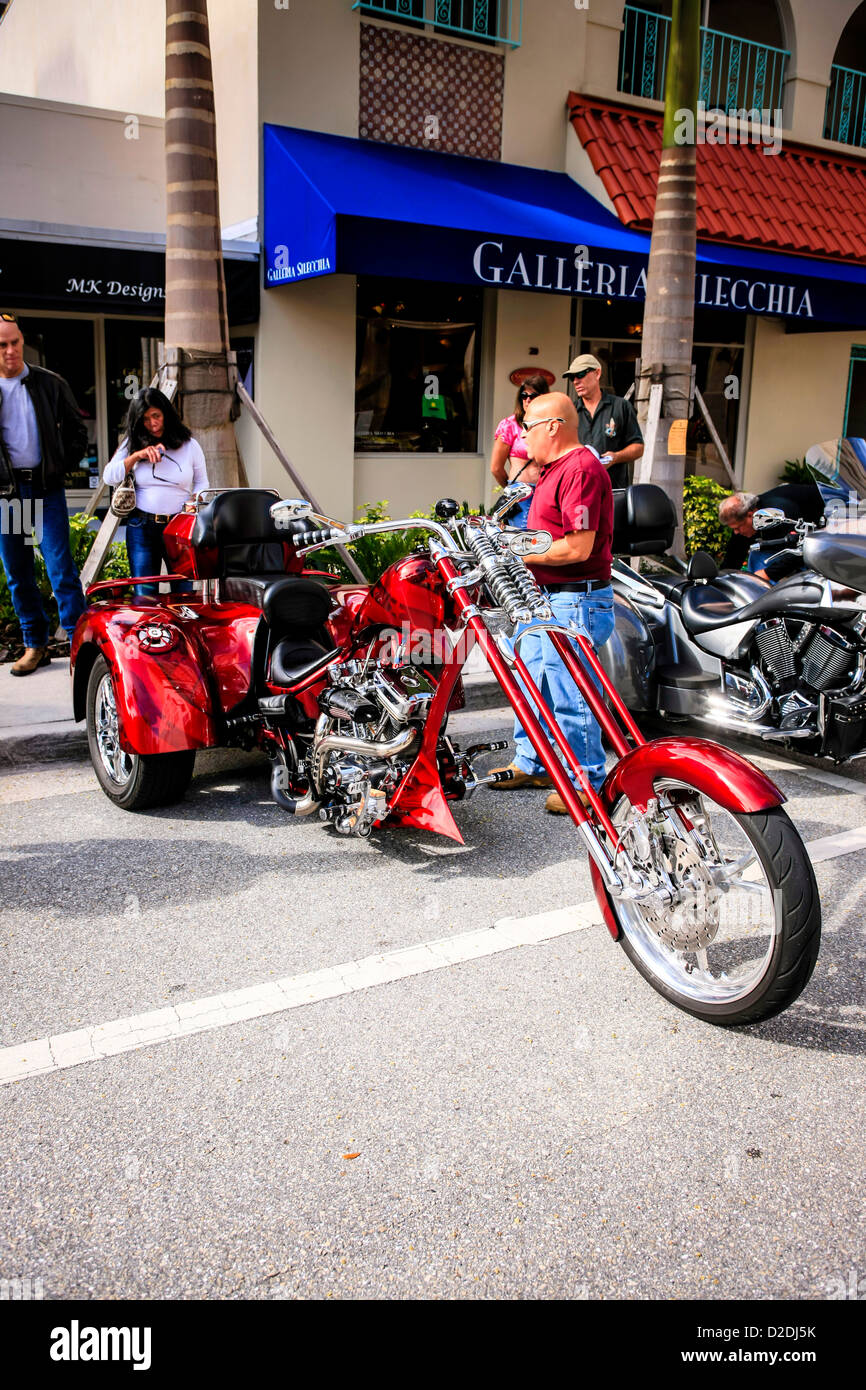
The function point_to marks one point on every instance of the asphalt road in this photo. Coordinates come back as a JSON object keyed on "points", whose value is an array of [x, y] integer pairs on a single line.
{"points": [[531, 1123]]}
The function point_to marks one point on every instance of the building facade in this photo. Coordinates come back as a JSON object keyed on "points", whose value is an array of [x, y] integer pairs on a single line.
{"points": [[444, 193]]}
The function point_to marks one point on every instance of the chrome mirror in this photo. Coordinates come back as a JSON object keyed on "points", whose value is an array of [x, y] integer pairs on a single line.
{"points": [[768, 516], [528, 542], [511, 497], [290, 509]]}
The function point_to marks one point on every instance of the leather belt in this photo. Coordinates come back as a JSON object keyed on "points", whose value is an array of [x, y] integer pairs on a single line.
{"points": [[27, 475], [578, 586], [160, 517]]}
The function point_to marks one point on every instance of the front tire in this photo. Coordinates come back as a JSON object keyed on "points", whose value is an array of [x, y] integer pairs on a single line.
{"points": [[742, 943], [133, 781]]}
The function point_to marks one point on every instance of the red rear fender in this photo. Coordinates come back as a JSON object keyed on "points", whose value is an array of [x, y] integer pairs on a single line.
{"points": [[728, 778], [163, 698]]}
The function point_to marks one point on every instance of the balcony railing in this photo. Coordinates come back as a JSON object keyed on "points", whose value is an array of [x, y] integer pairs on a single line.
{"points": [[736, 73], [499, 21], [845, 116]]}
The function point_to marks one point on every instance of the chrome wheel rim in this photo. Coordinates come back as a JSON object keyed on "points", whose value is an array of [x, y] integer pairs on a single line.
{"points": [[117, 764], [735, 914]]}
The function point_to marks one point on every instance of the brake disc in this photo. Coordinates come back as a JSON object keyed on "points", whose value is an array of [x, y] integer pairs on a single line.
{"points": [[691, 923]]}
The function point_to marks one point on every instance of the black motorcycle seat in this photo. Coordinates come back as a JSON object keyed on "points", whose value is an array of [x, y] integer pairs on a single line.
{"points": [[294, 658], [290, 603], [248, 588], [706, 607]]}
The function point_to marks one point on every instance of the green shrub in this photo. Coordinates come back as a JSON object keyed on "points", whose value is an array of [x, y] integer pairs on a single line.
{"points": [[796, 471], [703, 530], [374, 554]]}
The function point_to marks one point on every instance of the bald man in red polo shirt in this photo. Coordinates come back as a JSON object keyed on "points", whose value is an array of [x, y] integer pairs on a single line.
{"points": [[574, 502]]}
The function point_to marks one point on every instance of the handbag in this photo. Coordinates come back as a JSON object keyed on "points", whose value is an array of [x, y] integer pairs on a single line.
{"points": [[123, 498]]}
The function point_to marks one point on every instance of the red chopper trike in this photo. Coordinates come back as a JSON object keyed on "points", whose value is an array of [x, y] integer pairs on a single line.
{"points": [[699, 873]]}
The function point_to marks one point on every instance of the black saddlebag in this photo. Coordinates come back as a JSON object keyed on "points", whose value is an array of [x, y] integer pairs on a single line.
{"points": [[845, 727]]}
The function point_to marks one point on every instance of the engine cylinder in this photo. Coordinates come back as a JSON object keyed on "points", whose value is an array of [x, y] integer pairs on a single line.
{"points": [[827, 660], [777, 650]]}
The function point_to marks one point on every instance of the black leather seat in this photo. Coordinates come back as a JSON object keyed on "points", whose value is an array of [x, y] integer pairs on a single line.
{"points": [[705, 606], [252, 567]]}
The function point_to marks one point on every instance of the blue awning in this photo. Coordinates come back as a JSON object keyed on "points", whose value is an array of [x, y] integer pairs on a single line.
{"points": [[338, 205]]}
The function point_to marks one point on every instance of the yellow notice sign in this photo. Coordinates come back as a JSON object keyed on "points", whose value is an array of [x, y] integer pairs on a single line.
{"points": [[677, 437]]}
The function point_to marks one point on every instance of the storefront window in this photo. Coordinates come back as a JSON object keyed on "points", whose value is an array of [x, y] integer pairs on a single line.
{"points": [[131, 362], [855, 410], [416, 386], [65, 346], [612, 330]]}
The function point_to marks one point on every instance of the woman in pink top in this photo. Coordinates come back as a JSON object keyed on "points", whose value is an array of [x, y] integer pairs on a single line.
{"points": [[509, 461]]}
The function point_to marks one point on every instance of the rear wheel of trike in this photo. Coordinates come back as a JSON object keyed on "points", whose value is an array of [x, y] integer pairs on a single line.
{"points": [[133, 781], [741, 943]]}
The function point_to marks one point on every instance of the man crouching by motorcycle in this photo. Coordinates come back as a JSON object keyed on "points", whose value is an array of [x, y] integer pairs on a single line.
{"points": [[574, 502]]}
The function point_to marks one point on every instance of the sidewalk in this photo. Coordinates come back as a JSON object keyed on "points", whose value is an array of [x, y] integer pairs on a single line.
{"points": [[36, 723], [36, 716]]}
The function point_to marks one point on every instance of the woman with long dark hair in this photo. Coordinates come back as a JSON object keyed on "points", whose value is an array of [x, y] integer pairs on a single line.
{"points": [[168, 466], [509, 461]]}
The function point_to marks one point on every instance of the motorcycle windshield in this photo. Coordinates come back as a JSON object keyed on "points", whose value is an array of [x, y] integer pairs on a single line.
{"points": [[839, 469]]}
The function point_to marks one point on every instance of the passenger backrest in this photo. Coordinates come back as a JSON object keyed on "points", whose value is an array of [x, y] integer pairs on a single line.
{"points": [[644, 520], [239, 525]]}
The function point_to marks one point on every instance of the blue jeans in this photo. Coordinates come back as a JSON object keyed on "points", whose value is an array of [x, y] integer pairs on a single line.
{"points": [[146, 550], [520, 515], [17, 557], [593, 614]]}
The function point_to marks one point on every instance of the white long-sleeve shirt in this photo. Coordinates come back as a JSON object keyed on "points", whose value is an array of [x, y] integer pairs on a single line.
{"points": [[162, 487]]}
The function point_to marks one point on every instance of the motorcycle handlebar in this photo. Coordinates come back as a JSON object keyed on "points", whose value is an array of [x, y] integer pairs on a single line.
{"points": [[347, 534]]}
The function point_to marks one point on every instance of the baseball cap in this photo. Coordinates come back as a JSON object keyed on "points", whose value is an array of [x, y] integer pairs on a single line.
{"points": [[586, 362]]}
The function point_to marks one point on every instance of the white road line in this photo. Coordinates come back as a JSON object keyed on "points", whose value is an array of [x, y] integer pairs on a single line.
{"points": [[23, 1060], [830, 779], [201, 1015], [832, 846]]}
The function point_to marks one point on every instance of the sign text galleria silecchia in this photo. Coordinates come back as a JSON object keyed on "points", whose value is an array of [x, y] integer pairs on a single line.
{"points": [[583, 276]]}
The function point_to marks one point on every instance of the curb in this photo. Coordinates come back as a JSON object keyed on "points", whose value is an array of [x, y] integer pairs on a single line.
{"points": [[63, 738], [42, 743]]}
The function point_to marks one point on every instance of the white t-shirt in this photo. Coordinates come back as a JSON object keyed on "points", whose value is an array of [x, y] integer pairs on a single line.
{"points": [[162, 487]]}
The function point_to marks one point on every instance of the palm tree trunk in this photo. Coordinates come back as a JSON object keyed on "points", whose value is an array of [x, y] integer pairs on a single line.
{"points": [[669, 315], [196, 319]]}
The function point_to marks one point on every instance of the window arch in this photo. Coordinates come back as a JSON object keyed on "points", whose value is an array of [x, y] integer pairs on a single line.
{"points": [[743, 53], [845, 115]]}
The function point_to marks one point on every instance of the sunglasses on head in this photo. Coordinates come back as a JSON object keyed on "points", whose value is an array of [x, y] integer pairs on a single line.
{"points": [[8, 318]]}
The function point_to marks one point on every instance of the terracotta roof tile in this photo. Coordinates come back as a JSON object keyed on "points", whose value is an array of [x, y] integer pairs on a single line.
{"points": [[801, 199]]}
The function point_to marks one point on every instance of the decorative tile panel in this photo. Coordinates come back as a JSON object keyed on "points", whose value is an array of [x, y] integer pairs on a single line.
{"points": [[430, 94]]}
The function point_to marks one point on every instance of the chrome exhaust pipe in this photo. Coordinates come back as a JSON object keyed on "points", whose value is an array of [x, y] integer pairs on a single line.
{"points": [[370, 748]]}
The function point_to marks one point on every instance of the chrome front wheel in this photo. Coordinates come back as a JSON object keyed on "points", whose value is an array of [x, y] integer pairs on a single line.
{"points": [[731, 933]]}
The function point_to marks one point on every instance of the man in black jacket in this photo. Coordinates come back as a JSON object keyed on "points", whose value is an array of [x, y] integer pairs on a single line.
{"points": [[42, 436], [797, 501]]}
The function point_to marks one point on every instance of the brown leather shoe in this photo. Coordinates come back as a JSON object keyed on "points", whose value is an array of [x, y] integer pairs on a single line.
{"points": [[520, 779], [33, 658], [557, 807]]}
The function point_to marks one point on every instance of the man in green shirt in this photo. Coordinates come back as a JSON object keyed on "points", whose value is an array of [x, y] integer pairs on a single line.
{"points": [[607, 423]]}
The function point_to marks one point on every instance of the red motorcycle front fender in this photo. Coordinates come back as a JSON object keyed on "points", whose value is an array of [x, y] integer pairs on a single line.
{"points": [[728, 778]]}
